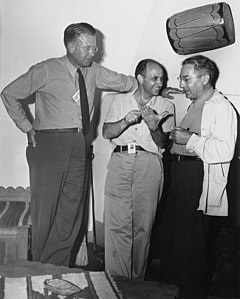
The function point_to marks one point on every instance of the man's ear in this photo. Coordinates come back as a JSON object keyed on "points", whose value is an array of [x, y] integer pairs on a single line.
{"points": [[71, 47], [140, 78], [205, 79]]}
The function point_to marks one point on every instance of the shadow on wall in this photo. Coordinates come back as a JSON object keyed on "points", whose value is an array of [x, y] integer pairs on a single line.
{"points": [[98, 58]]}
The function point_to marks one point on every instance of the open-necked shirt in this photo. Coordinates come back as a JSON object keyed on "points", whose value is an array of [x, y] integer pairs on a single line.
{"points": [[139, 133]]}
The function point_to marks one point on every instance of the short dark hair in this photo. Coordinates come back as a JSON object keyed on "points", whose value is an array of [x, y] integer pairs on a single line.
{"points": [[142, 66], [74, 30], [203, 64]]}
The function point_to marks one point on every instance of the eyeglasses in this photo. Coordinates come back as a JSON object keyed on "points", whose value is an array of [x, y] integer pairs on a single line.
{"points": [[94, 49], [186, 79]]}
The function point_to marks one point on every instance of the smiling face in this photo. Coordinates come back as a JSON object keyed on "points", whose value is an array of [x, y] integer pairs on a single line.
{"points": [[152, 81], [81, 51], [192, 82]]}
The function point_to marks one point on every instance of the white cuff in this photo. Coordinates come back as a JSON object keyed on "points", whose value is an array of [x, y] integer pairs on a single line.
{"points": [[191, 142]]}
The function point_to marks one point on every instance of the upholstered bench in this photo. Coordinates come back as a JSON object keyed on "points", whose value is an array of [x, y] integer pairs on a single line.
{"points": [[15, 224]]}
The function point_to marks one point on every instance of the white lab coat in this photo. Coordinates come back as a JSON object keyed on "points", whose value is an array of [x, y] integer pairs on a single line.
{"points": [[215, 147]]}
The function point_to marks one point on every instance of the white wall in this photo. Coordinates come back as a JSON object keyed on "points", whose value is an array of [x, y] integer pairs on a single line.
{"points": [[32, 31]]}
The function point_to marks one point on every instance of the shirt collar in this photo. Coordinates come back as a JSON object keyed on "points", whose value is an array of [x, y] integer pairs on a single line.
{"points": [[150, 103], [72, 69]]}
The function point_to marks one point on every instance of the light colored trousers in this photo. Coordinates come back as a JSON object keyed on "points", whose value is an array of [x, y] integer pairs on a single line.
{"points": [[133, 188]]}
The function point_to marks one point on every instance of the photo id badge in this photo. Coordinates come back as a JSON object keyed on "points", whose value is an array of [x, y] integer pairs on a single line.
{"points": [[132, 148], [76, 97]]}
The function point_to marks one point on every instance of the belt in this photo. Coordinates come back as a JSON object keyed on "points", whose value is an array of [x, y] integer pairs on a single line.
{"points": [[180, 158], [57, 131], [123, 148]]}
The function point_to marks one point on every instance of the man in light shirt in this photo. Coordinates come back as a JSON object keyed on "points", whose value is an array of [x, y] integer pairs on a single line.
{"points": [[138, 125]]}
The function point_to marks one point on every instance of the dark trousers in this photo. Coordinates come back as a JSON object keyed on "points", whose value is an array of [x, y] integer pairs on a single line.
{"points": [[57, 170], [183, 230]]}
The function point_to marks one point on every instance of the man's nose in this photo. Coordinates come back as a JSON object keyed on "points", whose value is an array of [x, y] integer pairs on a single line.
{"points": [[181, 83], [159, 81]]}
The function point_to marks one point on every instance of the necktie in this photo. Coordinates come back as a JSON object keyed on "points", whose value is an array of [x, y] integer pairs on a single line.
{"points": [[84, 103]]}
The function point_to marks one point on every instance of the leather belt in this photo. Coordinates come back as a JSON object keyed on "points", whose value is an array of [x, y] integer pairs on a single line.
{"points": [[180, 158], [123, 148], [57, 131]]}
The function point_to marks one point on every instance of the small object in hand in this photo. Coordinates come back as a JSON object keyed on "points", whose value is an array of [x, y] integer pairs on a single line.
{"points": [[179, 129], [61, 287]]}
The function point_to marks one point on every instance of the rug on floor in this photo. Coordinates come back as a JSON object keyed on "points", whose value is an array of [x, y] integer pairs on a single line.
{"points": [[94, 285]]}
